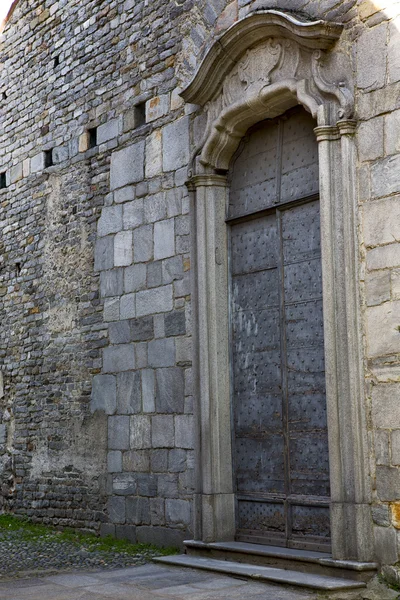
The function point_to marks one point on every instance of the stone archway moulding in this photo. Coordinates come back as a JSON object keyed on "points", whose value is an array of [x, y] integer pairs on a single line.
{"points": [[262, 66]]}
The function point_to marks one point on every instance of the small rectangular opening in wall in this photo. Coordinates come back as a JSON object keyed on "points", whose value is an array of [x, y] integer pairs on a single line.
{"points": [[48, 158], [56, 61], [3, 180], [140, 114], [92, 132]]}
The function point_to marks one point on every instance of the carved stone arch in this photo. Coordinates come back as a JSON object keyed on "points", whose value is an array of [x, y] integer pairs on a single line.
{"points": [[261, 67]]}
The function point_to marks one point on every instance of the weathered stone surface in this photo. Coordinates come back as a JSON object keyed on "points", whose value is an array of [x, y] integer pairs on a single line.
{"points": [[135, 278], [154, 301], [370, 139], [176, 144], [162, 431], [175, 323], [184, 431], [384, 257], [133, 214], [111, 282], [386, 406], [381, 515], [138, 511], [104, 254], [377, 286], [110, 220], [395, 446], [164, 239], [371, 57], [114, 461], [111, 309], [383, 329], [127, 165], [119, 332], [387, 483], [118, 358], [127, 306], [154, 154], [128, 393], [393, 51], [382, 447], [386, 544], [177, 511], [116, 509], [123, 250], [392, 132], [118, 433], [384, 180], [143, 243], [162, 353], [124, 484], [157, 107], [382, 221], [169, 390], [108, 131], [104, 394], [148, 390], [140, 432]]}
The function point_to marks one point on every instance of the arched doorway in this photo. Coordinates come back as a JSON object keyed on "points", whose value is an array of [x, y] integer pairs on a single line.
{"points": [[280, 437]]}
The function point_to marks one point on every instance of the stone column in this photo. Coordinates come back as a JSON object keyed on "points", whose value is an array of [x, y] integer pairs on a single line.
{"points": [[214, 504], [350, 482]]}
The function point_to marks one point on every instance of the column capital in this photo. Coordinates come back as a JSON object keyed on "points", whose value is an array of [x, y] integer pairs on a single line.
{"points": [[347, 127], [327, 133], [207, 180]]}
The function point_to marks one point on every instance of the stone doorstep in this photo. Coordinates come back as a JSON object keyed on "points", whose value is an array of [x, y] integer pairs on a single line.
{"points": [[306, 561], [263, 574]]}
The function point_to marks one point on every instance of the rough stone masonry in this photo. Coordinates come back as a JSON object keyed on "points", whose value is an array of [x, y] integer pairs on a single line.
{"points": [[96, 385]]}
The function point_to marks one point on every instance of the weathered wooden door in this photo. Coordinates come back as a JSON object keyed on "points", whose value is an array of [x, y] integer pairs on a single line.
{"points": [[281, 460]]}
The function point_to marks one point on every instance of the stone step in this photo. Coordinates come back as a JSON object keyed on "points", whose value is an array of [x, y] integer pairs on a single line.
{"points": [[259, 573], [318, 563]]}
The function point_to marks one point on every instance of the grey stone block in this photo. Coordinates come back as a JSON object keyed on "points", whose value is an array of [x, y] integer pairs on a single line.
{"points": [[3, 433], [116, 509], [127, 166], [129, 393], [135, 278], [182, 286], [124, 194], [177, 511], [123, 249], [118, 358], [395, 445], [176, 144], [387, 483], [153, 301], [111, 309], [126, 532], [176, 460], [110, 220], [141, 328], [148, 391], [384, 179], [60, 154], [382, 447], [385, 406], [386, 544], [136, 461], [172, 269], [159, 329], [124, 484], [381, 515], [127, 306], [104, 394], [107, 131], [170, 390], [161, 536], [119, 332], [162, 431], [155, 208], [140, 432], [371, 57], [164, 239], [147, 485], [157, 107], [118, 433], [377, 287], [175, 323], [161, 353], [133, 214], [111, 283], [168, 486], [107, 529], [114, 461], [159, 461], [143, 243], [157, 511], [138, 511], [104, 254], [141, 355], [184, 431], [154, 154], [142, 189], [154, 274], [37, 162]]}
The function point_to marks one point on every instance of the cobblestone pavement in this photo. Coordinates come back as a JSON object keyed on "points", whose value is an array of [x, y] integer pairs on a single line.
{"points": [[148, 582]]}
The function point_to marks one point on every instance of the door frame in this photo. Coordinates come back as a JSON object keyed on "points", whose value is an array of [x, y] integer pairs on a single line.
{"points": [[246, 83]]}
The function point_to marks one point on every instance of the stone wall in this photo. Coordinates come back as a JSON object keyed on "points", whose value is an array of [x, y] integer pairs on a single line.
{"points": [[96, 393]]}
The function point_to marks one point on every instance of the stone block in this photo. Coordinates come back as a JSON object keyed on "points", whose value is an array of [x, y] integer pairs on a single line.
{"points": [[177, 511], [133, 214], [159, 329], [119, 332], [140, 432], [161, 536], [141, 355], [37, 162], [127, 165], [116, 509], [395, 283], [164, 239], [104, 253], [377, 287], [143, 243], [383, 329], [184, 431], [155, 208], [172, 269], [161, 353], [127, 306], [16, 173], [111, 309], [382, 447], [157, 511], [173, 199], [162, 431], [176, 100], [118, 358], [386, 544], [176, 460], [168, 486], [126, 532], [154, 154], [123, 250], [104, 394], [147, 485], [138, 511], [154, 274], [176, 144], [392, 132], [159, 461], [387, 483], [124, 195], [386, 406], [183, 351], [370, 139], [170, 390], [118, 433], [393, 53], [382, 221], [136, 461], [381, 515], [384, 177], [395, 445], [148, 391], [129, 400], [114, 461], [124, 484], [154, 301], [384, 257], [3, 433], [110, 220], [141, 329], [107, 529], [60, 154], [371, 58], [157, 107], [107, 131], [135, 278]]}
